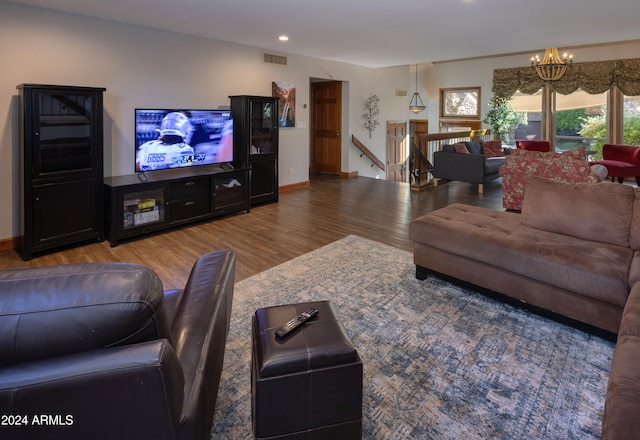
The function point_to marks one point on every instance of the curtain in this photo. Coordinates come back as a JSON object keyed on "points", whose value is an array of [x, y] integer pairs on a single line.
{"points": [[593, 77]]}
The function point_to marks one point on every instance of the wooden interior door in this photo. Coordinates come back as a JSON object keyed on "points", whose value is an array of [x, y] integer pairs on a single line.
{"points": [[326, 128], [418, 127], [396, 151]]}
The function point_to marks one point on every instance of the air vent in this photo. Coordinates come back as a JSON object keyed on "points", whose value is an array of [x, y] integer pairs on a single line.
{"points": [[274, 59], [402, 92]]}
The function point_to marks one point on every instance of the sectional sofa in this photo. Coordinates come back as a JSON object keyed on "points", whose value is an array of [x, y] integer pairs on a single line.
{"points": [[573, 252]]}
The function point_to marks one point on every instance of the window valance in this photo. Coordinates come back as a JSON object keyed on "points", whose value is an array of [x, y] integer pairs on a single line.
{"points": [[592, 77]]}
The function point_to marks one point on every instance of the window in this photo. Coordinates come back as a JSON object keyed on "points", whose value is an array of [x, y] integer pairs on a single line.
{"points": [[581, 119], [631, 120], [530, 106]]}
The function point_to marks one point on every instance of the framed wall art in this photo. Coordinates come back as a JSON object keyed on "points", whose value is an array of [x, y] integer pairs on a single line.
{"points": [[287, 105], [460, 103]]}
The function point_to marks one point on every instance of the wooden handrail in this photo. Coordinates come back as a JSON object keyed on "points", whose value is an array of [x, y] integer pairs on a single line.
{"points": [[473, 134], [367, 153]]}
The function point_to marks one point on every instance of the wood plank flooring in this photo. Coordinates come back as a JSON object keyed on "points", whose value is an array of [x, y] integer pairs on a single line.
{"points": [[303, 220]]}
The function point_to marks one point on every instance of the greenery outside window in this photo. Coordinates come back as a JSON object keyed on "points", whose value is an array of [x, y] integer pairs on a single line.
{"points": [[581, 119], [631, 120]]}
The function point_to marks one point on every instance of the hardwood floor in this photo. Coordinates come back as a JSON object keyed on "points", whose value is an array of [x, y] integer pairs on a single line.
{"points": [[303, 220]]}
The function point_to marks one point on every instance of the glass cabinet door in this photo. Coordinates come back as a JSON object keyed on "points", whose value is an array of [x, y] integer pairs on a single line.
{"points": [[64, 133], [143, 207], [263, 125]]}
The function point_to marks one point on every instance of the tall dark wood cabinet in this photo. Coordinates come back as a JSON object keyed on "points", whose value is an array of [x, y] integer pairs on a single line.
{"points": [[255, 143], [61, 167]]}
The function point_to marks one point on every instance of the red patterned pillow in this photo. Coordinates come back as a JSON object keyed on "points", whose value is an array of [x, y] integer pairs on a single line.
{"points": [[579, 153], [492, 149]]}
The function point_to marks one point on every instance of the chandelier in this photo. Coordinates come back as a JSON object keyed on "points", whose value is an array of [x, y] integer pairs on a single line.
{"points": [[551, 67], [416, 105]]}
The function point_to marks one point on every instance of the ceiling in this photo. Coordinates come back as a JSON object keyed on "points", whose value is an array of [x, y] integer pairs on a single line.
{"points": [[376, 34]]}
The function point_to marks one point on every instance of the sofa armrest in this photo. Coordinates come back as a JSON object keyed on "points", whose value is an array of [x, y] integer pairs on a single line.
{"points": [[199, 329], [456, 166], [133, 391], [620, 419]]}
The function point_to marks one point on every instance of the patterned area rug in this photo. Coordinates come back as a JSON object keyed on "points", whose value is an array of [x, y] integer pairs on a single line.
{"points": [[440, 362]]}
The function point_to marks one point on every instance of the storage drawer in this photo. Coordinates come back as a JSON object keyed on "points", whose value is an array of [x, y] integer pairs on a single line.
{"points": [[189, 188], [188, 208]]}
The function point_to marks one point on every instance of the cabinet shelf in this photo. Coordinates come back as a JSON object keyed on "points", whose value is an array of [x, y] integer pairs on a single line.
{"points": [[61, 167], [170, 198], [255, 143]]}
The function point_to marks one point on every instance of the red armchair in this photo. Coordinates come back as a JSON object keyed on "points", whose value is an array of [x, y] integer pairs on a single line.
{"points": [[621, 161], [543, 146]]}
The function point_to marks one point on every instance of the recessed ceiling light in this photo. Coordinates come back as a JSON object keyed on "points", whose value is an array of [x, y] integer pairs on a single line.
{"points": [[283, 38]]}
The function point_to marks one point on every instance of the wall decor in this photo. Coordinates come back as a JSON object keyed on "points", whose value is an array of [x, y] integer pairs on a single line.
{"points": [[460, 103], [371, 114], [286, 93]]}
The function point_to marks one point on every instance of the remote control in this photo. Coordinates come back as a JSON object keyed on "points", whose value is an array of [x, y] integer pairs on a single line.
{"points": [[296, 322]]}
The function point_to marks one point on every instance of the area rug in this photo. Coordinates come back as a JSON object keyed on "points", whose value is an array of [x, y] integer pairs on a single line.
{"points": [[440, 361]]}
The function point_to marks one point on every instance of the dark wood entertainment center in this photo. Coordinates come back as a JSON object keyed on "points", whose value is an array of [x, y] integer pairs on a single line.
{"points": [[65, 199], [137, 204]]}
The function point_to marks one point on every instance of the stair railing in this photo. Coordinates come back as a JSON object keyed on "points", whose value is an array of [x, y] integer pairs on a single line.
{"points": [[366, 152]]}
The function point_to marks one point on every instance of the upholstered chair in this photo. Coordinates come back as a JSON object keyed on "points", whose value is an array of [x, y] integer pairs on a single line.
{"points": [[621, 161], [543, 146]]}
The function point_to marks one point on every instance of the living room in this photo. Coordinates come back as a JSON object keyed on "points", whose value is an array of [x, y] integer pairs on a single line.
{"points": [[135, 63], [68, 49]]}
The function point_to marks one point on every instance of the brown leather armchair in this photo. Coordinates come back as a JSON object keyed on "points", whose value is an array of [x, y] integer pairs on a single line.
{"points": [[100, 351]]}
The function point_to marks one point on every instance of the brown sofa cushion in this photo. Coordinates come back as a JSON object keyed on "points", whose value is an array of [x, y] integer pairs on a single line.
{"points": [[634, 237], [598, 212]]}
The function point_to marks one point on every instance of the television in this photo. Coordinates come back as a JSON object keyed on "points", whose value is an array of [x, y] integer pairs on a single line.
{"points": [[167, 138]]}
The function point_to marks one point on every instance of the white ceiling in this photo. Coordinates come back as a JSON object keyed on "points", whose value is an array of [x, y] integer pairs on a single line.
{"points": [[377, 34]]}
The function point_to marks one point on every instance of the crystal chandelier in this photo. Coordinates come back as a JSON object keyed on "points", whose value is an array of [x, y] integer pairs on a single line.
{"points": [[551, 67], [416, 105]]}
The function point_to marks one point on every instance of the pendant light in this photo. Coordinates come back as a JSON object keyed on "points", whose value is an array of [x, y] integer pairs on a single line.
{"points": [[416, 105], [551, 67]]}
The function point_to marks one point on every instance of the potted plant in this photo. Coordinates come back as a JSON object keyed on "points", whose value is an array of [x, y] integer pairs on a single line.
{"points": [[502, 118]]}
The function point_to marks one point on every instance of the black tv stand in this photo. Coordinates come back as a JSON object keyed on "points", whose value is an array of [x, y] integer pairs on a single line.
{"points": [[170, 198]]}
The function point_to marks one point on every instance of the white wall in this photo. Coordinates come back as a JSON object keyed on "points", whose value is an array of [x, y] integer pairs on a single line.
{"points": [[142, 67]]}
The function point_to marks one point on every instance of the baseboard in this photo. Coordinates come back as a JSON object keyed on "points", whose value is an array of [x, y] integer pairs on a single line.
{"points": [[348, 174], [296, 185], [8, 244]]}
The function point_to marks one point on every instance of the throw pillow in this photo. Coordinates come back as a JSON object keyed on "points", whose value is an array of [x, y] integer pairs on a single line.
{"points": [[577, 153], [461, 148], [592, 211], [474, 147], [493, 149]]}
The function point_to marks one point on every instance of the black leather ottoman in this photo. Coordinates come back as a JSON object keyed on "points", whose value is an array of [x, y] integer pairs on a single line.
{"points": [[309, 384]]}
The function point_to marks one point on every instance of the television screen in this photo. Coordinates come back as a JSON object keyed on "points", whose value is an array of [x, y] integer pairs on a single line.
{"points": [[182, 138]]}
